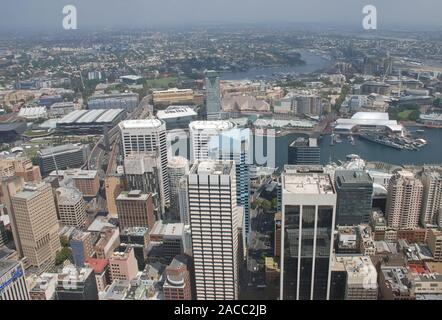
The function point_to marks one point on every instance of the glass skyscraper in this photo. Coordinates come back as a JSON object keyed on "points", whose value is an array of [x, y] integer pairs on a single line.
{"points": [[354, 193], [308, 212], [213, 95]]}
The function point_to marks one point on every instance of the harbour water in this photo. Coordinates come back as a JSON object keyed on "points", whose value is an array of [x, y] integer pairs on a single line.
{"points": [[371, 151], [313, 62]]}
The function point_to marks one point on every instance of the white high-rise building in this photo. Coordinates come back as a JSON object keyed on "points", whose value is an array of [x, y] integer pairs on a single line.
{"points": [[71, 207], [143, 136], [13, 284], [214, 226], [177, 168], [202, 134], [308, 220], [432, 197], [404, 201]]}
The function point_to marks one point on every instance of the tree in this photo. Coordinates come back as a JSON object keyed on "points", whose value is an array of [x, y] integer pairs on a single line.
{"points": [[62, 255], [266, 204]]}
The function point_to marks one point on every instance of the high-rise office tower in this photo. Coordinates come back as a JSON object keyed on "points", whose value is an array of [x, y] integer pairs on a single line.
{"points": [[432, 197], [177, 168], [183, 201], [213, 95], [9, 186], [12, 281], [236, 147], [147, 135], [37, 224], [206, 133], [71, 207], [143, 172], [214, 223], [354, 190], [304, 151], [404, 201], [135, 210], [308, 219]]}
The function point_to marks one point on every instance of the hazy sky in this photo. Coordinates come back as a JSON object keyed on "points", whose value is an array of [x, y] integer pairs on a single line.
{"points": [[47, 14]]}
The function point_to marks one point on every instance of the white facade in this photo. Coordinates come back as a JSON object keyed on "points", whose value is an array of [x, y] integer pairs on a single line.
{"points": [[177, 168], [202, 133], [214, 226], [143, 136]]}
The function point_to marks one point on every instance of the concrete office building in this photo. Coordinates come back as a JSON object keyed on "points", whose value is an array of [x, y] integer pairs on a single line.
{"points": [[308, 219], [432, 197], [304, 151], [138, 239], [206, 133], [101, 272], [147, 135], [9, 186], [214, 223], [213, 95], [71, 207], [114, 185], [143, 172], [177, 168], [12, 281], [44, 286], [177, 117], [76, 284], [435, 244], [37, 225], [62, 157], [361, 277], [123, 265], [404, 201], [86, 181], [135, 209], [177, 284], [19, 166], [354, 191]]}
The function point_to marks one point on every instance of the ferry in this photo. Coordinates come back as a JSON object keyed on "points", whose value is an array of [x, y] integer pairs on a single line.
{"points": [[433, 120]]}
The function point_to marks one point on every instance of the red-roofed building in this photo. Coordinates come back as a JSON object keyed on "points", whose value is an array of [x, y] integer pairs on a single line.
{"points": [[101, 271]]}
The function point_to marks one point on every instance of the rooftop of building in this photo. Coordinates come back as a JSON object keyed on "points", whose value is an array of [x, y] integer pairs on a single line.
{"points": [[397, 279], [135, 231], [212, 167], [353, 177], [136, 195], [60, 149], [75, 173], [168, 229], [68, 196], [30, 190], [117, 290], [150, 123], [307, 183], [72, 273], [98, 265], [177, 162], [6, 265], [213, 125], [175, 112]]}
